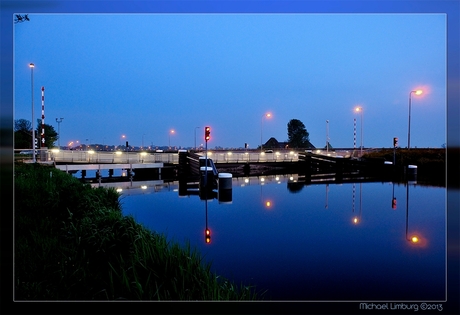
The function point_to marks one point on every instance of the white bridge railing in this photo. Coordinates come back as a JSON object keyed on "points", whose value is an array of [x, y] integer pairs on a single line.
{"points": [[242, 157], [71, 156], [75, 156]]}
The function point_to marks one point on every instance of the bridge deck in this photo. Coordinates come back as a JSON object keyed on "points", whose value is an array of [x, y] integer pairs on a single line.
{"points": [[125, 166]]}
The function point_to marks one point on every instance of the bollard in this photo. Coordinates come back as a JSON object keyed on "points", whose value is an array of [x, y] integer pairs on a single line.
{"points": [[225, 181], [411, 171], [206, 178], [225, 188]]}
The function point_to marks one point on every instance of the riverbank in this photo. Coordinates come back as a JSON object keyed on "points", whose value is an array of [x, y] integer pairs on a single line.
{"points": [[431, 163], [73, 243]]}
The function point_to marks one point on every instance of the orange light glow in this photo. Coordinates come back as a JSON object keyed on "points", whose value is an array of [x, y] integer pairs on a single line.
{"points": [[421, 91], [417, 240], [355, 220], [268, 204]]}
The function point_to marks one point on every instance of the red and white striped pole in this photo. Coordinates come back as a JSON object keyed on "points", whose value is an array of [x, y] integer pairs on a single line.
{"points": [[354, 133], [43, 117]]}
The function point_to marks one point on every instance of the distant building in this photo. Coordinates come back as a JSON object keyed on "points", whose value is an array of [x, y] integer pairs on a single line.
{"points": [[272, 143]]}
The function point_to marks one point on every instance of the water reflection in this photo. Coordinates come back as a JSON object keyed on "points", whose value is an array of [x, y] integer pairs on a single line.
{"points": [[414, 238], [357, 218], [276, 234]]}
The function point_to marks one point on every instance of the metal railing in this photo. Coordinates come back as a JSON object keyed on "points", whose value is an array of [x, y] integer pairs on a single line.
{"points": [[74, 156], [242, 157]]}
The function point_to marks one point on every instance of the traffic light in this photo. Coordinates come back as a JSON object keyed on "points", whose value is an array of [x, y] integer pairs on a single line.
{"points": [[395, 142], [207, 133], [36, 144], [393, 204], [207, 234]]}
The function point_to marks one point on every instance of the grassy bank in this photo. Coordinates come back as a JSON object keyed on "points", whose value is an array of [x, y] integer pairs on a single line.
{"points": [[73, 243]]}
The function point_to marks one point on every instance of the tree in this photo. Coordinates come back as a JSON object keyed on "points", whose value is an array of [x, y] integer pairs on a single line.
{"points": [[22, 134], [298, 136], [22, 124], [50, 134]]}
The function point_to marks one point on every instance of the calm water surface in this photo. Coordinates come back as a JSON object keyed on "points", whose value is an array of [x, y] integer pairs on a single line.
{"points": [[318, 242]]}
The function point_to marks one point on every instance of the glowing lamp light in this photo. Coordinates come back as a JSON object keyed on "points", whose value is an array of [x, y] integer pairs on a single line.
{"points": [[207, 234], [355, 220], [118, 153], [418, 92], [414, 239], [268, 204]]}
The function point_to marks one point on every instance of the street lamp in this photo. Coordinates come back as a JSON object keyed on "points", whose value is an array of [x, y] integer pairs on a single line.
{"points": [[267, 115], [417, 92], [59, 131], [170, 132], [327, 135], [31, 65], [359, 109], [122, 138], [195, 136]]}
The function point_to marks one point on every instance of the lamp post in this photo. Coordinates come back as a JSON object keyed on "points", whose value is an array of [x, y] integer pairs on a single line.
{"points": [[59, 131], [268, 115], [327, 136], [417, 92], [195, 136], [31, 65], [143, 140], [360, 109], [121, 139], [170, 132]]}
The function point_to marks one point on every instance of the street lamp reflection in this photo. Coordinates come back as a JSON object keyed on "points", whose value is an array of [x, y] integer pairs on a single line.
{"points": [[415, 238]]}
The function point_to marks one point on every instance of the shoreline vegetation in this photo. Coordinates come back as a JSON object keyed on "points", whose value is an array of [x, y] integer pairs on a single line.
{"points": [[72, 242]]}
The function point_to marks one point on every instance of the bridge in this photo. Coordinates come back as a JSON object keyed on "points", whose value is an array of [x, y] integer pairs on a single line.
{"points": [[340, 163], [218, 156]]}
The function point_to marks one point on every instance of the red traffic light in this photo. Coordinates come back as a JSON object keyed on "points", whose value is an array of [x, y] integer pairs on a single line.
{"points": [[207, 133], [393, 204]]}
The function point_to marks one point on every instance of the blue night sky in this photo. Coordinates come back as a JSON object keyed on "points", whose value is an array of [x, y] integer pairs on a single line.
{"points": [[143, 74]]}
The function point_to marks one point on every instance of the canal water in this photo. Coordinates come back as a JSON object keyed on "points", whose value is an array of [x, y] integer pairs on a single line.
{"points": [[318, 242]]}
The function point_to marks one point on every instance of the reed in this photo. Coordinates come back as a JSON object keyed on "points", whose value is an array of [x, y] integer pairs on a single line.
{"points": [[72, 242]]}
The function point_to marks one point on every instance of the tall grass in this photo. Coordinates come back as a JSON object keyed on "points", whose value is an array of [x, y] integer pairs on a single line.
{"points": [[73, 243]]}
